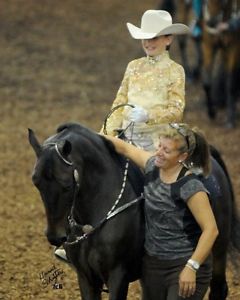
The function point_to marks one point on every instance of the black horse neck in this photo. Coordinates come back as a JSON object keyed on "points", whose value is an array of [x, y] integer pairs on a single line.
{"points": [[102, 186]]}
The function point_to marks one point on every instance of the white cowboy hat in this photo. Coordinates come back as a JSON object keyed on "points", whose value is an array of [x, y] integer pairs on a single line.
{"points": [[155, 23]]}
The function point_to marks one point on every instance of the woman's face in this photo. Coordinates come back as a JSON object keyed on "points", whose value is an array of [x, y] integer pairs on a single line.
{"points": [[156, 46], [168, 154]]}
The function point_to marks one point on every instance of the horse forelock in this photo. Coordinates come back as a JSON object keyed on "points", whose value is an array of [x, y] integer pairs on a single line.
{"points": [[43, 167]]}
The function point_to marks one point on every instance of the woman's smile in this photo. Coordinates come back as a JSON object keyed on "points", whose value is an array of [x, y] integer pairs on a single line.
{"points": [[159, 160]]}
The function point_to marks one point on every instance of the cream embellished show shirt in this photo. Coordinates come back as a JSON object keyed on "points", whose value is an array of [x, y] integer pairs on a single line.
{"points": [[158, 85]]}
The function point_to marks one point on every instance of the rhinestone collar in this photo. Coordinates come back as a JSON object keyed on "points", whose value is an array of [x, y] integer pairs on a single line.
{"points": [[155, 59]]}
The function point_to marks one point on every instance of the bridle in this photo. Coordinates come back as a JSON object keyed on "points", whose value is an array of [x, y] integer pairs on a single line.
{"points": [[111, 213], [60, 155]]}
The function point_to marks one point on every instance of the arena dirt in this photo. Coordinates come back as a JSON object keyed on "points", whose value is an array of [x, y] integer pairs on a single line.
{"points": [[63, 61]]}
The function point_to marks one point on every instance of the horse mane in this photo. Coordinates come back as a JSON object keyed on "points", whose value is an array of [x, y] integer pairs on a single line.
{"points": [[134, 173], [90, 135], [75, 127]]}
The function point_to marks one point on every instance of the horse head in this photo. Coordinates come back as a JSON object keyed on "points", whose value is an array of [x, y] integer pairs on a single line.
{"points": [[53, 176], [68, 163]]}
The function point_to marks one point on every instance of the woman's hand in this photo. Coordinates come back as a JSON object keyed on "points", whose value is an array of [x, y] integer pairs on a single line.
{"points": [[187, 282]]}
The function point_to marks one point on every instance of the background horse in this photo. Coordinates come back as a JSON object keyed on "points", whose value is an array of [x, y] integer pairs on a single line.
{"points": [[79, 176], [227, 45], [189, 13]]}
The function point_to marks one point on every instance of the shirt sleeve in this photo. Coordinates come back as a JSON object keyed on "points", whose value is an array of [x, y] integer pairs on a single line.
{"points": [[173, 111], [149, 165], [192, 187]]}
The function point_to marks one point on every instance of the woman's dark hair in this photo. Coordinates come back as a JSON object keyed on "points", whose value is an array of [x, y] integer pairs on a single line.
{"points": [[200, 158]]}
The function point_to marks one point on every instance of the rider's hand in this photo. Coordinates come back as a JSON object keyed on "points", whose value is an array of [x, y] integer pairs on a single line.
{"points": [[138, 115]]}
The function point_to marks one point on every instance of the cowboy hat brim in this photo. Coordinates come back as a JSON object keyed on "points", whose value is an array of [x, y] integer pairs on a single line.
{"points": [[139, 34]]}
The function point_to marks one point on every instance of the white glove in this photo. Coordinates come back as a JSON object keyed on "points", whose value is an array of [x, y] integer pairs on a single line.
{"points": [[138, 115]]}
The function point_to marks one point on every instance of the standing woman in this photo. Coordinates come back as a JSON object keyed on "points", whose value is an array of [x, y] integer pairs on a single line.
{"points": [[180, 225], [154, 84]]}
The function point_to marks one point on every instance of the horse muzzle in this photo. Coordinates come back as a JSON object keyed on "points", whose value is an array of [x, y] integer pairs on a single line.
{"points": [[55, 237], [55, 240]]}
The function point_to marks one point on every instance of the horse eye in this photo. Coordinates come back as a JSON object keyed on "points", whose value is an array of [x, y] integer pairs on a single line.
{"points": [[68, 187]]}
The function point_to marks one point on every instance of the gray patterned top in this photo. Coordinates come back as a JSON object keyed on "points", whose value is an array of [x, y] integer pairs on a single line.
{"points": [[171, 230]]}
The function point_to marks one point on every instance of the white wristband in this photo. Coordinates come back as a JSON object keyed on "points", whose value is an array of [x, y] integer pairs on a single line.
{"points": [[194, 264]]}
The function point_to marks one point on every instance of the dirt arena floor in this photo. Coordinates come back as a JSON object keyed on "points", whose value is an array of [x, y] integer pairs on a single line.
{"points": [[63, 61]]}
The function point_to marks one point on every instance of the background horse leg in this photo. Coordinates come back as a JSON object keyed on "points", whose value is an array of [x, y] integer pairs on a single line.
{"points": [[182, 42], [218, 285], [218, 90], [208, 62], [197, 68], [232, 83], [196, 32], [180, 10], [183, 9], [231, 101]]}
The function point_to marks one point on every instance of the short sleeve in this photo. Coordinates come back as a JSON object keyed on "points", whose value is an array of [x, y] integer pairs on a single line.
{"points": [[149, 165], [192, 187]]}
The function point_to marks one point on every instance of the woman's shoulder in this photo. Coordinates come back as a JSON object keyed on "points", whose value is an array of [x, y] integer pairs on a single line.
{"points": [[190, 184], [149, 164]]}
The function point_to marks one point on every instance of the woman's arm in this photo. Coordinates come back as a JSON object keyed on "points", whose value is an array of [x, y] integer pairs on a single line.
{"points": [[137, 155], [202, 212], [200, 207]]}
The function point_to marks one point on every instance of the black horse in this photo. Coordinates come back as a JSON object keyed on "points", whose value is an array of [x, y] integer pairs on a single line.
{"points": [[90, 200], [77, 170]]}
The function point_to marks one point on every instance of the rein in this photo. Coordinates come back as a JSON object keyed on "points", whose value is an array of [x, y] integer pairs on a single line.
{"points": [[111, 112], [109, 216], [112, 212]]}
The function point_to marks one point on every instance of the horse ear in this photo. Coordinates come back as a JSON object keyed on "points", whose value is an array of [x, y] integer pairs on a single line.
{"points": [[65, 148], [34, 142]]}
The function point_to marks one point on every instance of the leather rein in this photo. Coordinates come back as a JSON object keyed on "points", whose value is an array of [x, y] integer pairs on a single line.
{"points": [[89, 229]]}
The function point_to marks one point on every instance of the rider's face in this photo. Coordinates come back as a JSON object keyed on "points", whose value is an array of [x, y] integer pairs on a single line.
{"points": [[156, 46]]}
